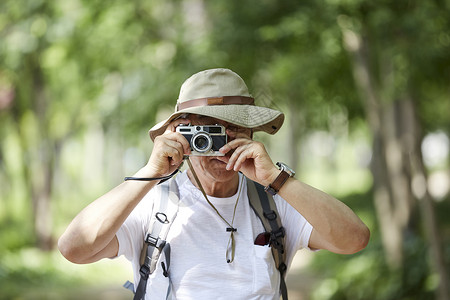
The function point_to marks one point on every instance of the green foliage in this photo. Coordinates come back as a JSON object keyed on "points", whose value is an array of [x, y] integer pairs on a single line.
{"points": [[31, 271], [366, 275], [32, 274], [81, 82]]}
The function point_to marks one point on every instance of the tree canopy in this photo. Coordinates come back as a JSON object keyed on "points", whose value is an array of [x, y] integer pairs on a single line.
{"points": [[81, 82]]}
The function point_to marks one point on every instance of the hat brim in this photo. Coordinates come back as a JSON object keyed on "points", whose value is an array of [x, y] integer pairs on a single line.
{"points": [[249, 116]]}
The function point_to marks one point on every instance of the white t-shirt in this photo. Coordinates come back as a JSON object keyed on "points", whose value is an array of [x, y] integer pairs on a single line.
{"points": [[198, 241]]}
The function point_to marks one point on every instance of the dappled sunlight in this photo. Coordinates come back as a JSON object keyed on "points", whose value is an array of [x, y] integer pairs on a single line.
{"points": [[364, 89], [51, 276]]}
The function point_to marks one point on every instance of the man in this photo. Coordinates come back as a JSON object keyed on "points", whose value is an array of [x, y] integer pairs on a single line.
{"points": [[212, 239]]}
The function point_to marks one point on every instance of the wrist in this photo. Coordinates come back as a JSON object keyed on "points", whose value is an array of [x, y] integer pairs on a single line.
{"points": [[282, 175], [143, 176], [149, 171], [273, 175]]}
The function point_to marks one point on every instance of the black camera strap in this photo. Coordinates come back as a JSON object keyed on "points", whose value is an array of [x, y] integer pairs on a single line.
{"points": [[162, 179]]}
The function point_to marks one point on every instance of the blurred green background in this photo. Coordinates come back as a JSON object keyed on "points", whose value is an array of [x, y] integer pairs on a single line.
{"points": [[365, 86]]}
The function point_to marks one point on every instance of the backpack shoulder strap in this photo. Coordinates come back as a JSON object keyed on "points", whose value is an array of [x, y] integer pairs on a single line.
{"points": [[165, 209], [265, 208]]}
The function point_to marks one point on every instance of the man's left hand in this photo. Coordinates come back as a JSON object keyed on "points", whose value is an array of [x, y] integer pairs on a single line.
{"points": [[251, 158]]}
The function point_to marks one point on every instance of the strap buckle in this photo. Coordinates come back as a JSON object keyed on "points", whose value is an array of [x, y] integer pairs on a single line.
{"points": [[144, 271], [272, 215], [155, 242], [279, 233], [282, 268], [276, 239], [269, 189]]}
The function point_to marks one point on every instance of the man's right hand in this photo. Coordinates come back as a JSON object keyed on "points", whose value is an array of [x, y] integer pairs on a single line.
{"points": [[168, 151], [92, 233]]}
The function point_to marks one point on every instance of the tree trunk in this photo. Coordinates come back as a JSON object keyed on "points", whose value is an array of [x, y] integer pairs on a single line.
{"points": [[396, 157], [41, 182], [295, 131], [41, 158], [379, 117], [435, 251]]}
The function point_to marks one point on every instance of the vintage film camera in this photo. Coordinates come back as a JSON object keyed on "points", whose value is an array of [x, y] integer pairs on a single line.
{"points": [[205, 140]]}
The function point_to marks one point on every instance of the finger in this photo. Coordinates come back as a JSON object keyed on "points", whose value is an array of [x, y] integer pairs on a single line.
{"points": [[252, 150], [175, 136], [243, 157], [174, 151], [170, 147], [185, 144], [235, 156], [173, 125], [234, 144], [166, 148]]}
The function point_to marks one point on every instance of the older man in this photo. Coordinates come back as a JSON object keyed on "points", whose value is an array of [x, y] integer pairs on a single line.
{"points": [[212, 239]]}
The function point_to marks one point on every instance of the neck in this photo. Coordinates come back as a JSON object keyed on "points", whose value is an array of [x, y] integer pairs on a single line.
{"points": [[216, 188]]}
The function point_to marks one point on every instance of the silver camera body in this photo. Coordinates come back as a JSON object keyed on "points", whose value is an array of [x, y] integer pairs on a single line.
{"points": [[205, 140]]}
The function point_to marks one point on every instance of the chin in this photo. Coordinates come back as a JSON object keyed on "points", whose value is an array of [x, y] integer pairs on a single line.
{"points": [[214, 167], [217, 168]]}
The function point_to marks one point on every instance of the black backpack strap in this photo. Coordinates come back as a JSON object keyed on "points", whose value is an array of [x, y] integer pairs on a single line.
{"points": [[164, 213], [266, 209]]}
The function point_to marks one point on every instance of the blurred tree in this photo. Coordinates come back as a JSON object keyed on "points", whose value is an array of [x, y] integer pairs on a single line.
{"points": [[71, 68], [293, 50], [382, 40], [23, 29], [66, 64]]}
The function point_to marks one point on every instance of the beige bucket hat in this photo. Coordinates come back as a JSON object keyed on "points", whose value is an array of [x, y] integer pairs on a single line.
{"points": [[221, 94]]}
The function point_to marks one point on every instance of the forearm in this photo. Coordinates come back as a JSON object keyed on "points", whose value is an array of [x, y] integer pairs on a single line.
{"points": [[336, 227], [93, 229], [91, 235]]}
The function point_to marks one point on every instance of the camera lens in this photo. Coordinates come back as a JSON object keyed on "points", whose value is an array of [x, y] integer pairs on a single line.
{"points": [[201, 142]]}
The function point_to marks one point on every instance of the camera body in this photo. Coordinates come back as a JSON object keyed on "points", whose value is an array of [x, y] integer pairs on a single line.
{"points": [[205, 140]]}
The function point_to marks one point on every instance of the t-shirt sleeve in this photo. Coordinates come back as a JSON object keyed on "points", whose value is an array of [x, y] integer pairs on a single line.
{"points": [[131, 234], [298, 229]]}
